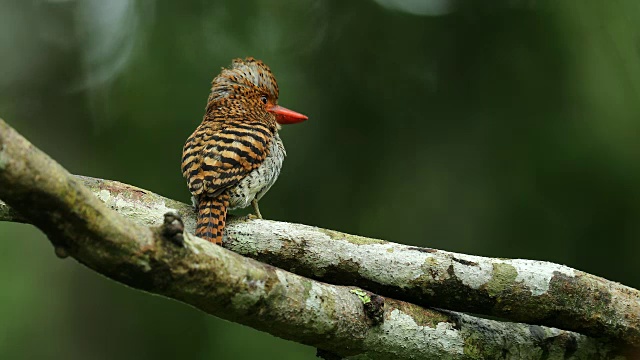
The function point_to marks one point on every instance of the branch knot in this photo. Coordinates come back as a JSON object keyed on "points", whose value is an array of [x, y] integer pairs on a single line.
{"points": [[173, 228]]}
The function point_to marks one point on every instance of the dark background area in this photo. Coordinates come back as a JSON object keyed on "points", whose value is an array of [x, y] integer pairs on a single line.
{"points": [[509, 129]]}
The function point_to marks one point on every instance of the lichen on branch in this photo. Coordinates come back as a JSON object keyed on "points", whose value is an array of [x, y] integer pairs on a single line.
{"points": [[146, 252]]}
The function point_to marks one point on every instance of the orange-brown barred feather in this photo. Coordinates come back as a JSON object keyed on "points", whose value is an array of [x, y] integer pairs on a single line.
{"points": [[216, 157], [212, 215], [214, 160]]}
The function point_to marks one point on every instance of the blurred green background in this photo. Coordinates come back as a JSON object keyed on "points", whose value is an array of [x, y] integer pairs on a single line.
{"points": [[507, 129]]}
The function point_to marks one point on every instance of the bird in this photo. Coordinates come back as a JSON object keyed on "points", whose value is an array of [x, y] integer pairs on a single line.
{"points": [[235, 155]]}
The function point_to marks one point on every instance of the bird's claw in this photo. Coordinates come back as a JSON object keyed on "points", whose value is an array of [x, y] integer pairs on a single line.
{"points": [[254, 203], [252, 217]]}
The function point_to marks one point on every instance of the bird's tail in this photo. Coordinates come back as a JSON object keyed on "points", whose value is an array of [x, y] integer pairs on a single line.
{"points": [[212, 214]]}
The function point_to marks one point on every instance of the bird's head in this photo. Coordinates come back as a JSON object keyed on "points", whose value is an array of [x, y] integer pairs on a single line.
{"points": [[249, 88]]}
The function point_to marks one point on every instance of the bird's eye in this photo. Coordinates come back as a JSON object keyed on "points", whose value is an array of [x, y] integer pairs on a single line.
{"points": [[263, 98]]}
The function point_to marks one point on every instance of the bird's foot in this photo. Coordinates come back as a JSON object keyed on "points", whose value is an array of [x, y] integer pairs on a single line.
{"points": [[251, 217], [254, 202]]}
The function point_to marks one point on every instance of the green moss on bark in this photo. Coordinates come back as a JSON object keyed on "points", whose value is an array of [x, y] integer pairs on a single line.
{"points": [[417, 313], [504, 275], [354, 239]]}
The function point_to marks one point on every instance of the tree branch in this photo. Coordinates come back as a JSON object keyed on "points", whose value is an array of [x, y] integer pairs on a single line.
{"points": [[535, 292], [225, 284]]}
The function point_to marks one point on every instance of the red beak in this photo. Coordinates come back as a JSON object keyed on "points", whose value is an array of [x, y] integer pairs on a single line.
{"points": [[286, 116]]}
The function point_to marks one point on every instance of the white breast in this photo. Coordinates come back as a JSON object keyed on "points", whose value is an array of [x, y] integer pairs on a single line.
{"points": [[260, 180]]}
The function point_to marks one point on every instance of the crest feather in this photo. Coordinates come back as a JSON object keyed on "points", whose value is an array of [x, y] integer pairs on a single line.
{"points": [[248, 73]]}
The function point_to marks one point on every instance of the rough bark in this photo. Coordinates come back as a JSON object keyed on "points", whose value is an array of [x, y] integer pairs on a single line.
{"points": [[342, 320], [534, 292]]}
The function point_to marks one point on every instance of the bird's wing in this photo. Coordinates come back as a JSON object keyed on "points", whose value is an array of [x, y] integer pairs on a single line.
{"points": [[214, 160]]}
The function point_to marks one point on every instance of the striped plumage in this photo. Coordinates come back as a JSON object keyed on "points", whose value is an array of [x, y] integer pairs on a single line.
{"points": [[235, 155]]}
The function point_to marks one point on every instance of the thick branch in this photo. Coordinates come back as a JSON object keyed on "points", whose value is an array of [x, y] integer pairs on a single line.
{"points": [[535, 292], [230, 286]]}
